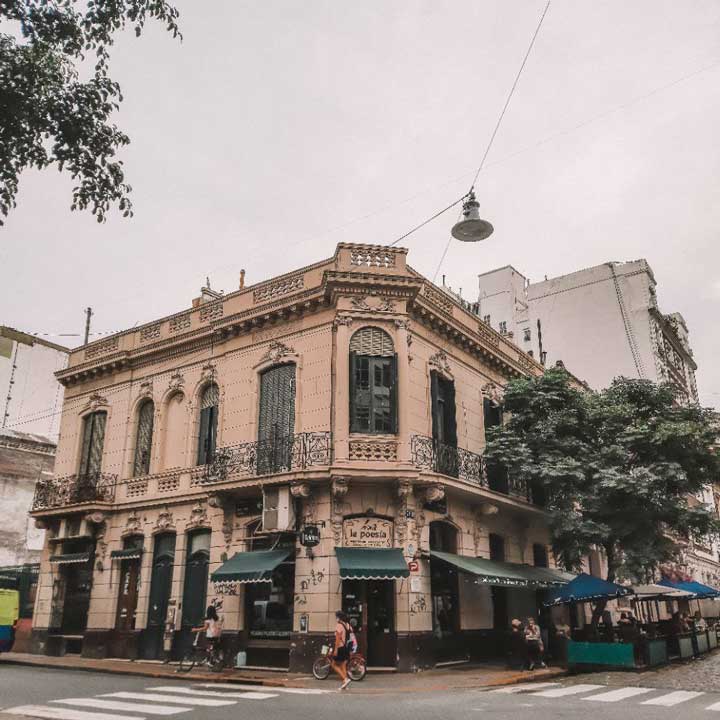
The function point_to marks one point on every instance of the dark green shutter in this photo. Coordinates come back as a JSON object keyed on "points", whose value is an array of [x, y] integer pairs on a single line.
{"points": [[394, 394], [353, 384], [205, 422], [450, 414], [434, 390]]}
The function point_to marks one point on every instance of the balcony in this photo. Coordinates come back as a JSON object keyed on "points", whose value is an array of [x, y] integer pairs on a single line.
{"points": [[60, 492], [269, 457], [429, 454]]}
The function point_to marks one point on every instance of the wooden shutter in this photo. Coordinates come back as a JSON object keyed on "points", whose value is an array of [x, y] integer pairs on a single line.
{"points": [[394, 394], [205, 421], [276, 421], [143, 443], [207, 437], [92, 445], [450, 413], [435, 405], [353, 391]]}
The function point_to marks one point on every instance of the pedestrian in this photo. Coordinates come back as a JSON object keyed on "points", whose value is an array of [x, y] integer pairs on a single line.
{"points": [[699, 622], [339, 658], [518, 646], [533, 641]]}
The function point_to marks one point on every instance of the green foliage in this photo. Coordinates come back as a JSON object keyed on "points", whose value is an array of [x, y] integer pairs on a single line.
{"points": [[620, 467], [48, 114]]}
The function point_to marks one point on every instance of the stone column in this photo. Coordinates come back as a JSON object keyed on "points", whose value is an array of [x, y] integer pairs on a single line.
{"points": [[403, 390], [341, 420]]}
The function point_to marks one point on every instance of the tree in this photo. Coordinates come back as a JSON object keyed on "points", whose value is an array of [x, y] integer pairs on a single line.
{"points": [[620, 468], [48, 114]]}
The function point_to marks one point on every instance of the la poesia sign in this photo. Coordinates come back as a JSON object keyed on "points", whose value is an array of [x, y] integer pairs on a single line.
{"points": [[368, 532]]}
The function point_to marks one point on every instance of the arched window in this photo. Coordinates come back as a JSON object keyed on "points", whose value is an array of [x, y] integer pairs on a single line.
{"points": [[207, 439], [373, 382], [143, 440], [92, 443]]}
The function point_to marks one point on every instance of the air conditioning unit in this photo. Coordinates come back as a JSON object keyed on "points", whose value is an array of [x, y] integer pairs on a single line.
{"points": [[278, 509], [73, 527]]}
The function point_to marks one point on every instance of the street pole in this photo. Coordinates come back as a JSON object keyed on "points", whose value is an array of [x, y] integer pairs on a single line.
{"points": [[88, 315]]}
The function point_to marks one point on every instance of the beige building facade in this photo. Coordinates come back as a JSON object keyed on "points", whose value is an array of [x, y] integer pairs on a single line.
{"points": [[308, 444]]}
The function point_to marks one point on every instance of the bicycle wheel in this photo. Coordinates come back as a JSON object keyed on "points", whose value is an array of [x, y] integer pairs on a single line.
{"points": [[356, 669], [321, 667], [216, 661], [187, 663]]}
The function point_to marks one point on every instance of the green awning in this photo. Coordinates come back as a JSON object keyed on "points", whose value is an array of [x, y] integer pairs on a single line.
{"points": [[250, 567], [127, 554], [70, 558], [503, 574], [371, 563]]}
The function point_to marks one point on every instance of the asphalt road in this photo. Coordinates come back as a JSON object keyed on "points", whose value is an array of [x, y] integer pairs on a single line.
{"points": [[71, 695]]}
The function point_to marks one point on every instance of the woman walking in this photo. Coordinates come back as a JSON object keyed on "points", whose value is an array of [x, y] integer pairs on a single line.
{"points": [[535, 648], [339, 658]]}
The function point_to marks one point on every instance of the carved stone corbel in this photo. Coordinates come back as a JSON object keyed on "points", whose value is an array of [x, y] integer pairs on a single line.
{"points": [[300, 490], [439, 362], [435, 493], [340, 487]]}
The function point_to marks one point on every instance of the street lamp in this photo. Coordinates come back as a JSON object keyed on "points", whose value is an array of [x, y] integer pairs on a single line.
{"points": [[472, 228]]}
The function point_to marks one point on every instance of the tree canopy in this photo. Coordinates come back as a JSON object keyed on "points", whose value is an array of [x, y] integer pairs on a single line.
{"points": [[57, 96], [621, 468]]}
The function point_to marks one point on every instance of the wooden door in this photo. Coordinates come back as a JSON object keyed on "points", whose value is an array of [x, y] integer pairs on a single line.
{"points": [[160, 584], [127, 600], [381, 637]]}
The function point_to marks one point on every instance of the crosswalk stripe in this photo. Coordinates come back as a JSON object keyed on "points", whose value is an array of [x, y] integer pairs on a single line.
{"points": [[620, 694], [207, 693], [126, 706], [714, 706], [55, 713], [568, 690], [673, 698], [294, 691], [185, 700], [524, 687]]}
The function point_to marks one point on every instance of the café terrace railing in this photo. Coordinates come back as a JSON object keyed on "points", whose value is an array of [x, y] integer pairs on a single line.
{"points": [[429, 454], [267, 457], [74, 489]]}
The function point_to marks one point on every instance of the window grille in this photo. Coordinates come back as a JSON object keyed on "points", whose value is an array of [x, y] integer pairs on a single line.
{"points": [[276, 423], [208, 424], [372, 341], [143, 443], [93, 441]]}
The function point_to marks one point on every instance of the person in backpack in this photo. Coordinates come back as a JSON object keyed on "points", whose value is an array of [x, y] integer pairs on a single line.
{"points": [[341, 653]]}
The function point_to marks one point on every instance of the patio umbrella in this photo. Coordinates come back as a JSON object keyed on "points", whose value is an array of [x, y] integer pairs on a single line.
{"points": [[585, 588]]}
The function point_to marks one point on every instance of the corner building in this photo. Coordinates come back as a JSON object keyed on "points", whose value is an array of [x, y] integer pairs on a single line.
{"points": [[344, 404]]}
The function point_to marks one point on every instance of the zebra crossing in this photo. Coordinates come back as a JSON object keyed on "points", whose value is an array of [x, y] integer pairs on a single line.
{"points": [[152, 702], [592, 693]]}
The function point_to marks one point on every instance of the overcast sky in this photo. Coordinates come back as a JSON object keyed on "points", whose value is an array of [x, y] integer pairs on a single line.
{"points": [[277, 129]]}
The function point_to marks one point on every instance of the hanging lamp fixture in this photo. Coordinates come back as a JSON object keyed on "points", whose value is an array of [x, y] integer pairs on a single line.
{"points": [[472, 228]]}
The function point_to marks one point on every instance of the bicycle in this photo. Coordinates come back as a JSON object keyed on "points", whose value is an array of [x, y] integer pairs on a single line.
{"points": [[209, 654], [356, 666]]}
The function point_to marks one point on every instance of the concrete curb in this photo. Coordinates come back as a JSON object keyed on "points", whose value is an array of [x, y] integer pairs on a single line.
{"points": [[421, 682]]}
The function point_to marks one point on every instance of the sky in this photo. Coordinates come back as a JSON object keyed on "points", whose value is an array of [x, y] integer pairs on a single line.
{"points": [[277, 129]]}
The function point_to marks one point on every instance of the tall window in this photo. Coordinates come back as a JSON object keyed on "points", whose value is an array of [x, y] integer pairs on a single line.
{"points": [[92, 443], [496, 473], [373, 382], [444, 424], [540, 555], [276, 422], [497, 547], [143, 441], [208, 424]]}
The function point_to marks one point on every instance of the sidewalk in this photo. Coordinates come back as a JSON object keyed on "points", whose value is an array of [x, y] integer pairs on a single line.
{"points": [[462, 676]]}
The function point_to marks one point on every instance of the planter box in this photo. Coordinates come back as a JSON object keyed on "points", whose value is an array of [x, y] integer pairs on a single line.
{"points": [[598, 653]]}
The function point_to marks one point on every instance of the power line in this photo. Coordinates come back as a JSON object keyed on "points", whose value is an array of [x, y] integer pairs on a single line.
{"points": [[430, 219]]}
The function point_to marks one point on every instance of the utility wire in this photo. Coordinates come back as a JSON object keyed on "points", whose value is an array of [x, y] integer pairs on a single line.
{"points": [[430, 219]]}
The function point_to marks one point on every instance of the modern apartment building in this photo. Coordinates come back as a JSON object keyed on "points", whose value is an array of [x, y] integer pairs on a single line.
{"points": [[303, 445]]}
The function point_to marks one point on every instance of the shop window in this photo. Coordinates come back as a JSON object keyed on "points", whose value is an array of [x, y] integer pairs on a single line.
{"points": [[497, 547], [540, 555], [92, 443], [444, 581], [207, 439], [276, 421], [143, 440], [373, 382]]}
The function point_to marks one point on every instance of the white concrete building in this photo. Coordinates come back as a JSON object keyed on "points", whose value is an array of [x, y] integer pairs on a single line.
{"points": [[601, 322]]}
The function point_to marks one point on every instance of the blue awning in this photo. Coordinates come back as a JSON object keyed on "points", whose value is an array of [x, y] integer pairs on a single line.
{"points": [[585, 588], [699, 591]]}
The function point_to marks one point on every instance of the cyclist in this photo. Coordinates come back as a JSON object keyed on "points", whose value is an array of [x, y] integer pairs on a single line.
{"points": [[212, 626]]}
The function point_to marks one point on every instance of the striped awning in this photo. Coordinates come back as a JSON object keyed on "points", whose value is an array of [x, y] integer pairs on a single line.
{"points": [[249, 567], [371, 563], [70, 558], [127, 554]]}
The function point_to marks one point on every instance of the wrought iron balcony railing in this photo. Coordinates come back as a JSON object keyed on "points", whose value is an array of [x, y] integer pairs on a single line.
{"points": [[73, 490], [267, 457], [429, 454]]}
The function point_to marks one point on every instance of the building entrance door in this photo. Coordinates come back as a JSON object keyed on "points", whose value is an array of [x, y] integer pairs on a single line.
{"points": [[127, 602], [77, 579], [160, 584], [370, 607]]}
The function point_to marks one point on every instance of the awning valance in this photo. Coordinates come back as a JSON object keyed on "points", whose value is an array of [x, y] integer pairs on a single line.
{"points": [[250, 567], [127, 554], [70, 558], [502, 574], [698, 590], [371, 563], [586, 588]]}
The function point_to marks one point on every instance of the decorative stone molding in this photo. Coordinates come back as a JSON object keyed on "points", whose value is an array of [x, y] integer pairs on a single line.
{"points": [[379, 304], [360, 303], [146, 388], [198, 517], [133, 525], [372, 256], [404, 489], [300, 490], [276, 352], [150, 332], [180, 322], [215, 501], [96, 518], [488, 335], [95, 401], [494, 393], [434, 493], [209, 372], [211, 311], [169, 484], [177, 381], [345, 320], [486, 509], [439, 362], [227, 531], [164, 522], [338, 491], [378, 450], [340, 487], [438, 298], [279, 288], [102, 348], [403, 324]]}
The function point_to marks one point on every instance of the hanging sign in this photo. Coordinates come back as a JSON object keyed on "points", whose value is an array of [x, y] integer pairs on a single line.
{"points": [[310, 536], [413, 566], [368, 532]]}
